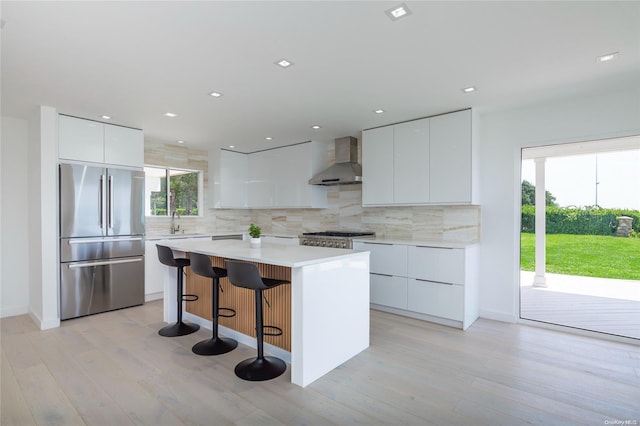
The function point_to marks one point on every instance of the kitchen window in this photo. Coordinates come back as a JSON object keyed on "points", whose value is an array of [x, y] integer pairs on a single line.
{"points": [[169, 190]]}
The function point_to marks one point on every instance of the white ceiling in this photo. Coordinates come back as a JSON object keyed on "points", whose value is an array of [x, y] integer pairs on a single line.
{"points": [[135, 61]]}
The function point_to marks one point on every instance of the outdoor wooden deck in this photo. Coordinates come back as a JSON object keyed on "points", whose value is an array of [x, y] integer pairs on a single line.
{"points": [[598, 304]]}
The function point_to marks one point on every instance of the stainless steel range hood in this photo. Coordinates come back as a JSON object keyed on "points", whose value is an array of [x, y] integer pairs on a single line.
{"points": [[346, 169]]}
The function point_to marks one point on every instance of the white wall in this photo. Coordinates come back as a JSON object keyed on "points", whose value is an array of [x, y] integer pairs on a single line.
{"points": [[14, 269], [502, 135]]}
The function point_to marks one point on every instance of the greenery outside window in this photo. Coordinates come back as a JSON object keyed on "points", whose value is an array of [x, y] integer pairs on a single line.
{"points": [[169, 190]]}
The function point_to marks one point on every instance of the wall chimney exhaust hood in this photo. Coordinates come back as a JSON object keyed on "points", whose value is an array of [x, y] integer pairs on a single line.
{"points": [[346, 169]]}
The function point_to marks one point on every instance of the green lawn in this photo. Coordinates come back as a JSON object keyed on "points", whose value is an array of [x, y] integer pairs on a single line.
{"points": [[586, 255]]}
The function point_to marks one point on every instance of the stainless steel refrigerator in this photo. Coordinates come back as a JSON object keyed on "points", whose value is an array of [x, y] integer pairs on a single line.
{"points": [[101, 239]]}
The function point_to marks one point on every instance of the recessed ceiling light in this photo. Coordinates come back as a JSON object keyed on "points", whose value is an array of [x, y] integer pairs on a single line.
{"points": [[215, 94], [170, 114], [106, 117], [284, 63], [379, 111], [469, 89], [397, 12], [607, 57], [180, 142], [232, 146], [268, 138], [315, 126]]}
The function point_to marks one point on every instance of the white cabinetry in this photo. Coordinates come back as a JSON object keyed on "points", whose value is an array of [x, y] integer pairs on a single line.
{"points": [[233, 172], [411, 162], [377, 170], [420, 162], [92, 141], [450, 163], [275, 178], [437, 284]]}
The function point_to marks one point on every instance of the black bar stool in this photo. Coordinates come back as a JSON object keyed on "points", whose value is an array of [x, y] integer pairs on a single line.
{"points": [[246, 275], [165, 255], [201, 265]]}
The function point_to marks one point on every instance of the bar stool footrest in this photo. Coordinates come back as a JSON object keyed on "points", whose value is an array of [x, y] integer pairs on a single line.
{"points": [[189, 297], [231, 314], [278, 330]]}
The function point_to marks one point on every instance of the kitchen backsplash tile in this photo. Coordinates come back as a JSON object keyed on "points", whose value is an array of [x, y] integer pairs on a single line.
{"points": [[344, 211]]}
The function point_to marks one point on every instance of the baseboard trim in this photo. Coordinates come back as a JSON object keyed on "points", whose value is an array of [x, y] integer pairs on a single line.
{"points": [[498, 316], [44, 324], [154, 296]]}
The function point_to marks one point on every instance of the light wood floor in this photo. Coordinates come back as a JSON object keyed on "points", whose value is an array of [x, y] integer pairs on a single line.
{"points": [[114, 369]]}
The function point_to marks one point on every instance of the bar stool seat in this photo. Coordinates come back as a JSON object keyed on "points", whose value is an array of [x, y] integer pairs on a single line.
{"points": [[180, 328], [246, 275], [201, 265]]}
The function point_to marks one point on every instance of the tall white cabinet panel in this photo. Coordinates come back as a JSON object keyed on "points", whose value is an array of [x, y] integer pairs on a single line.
{"points": [[261, 180], [450, 160], [411, 162], [377, 166], [233, 172], [123, 145], [80, 139]]}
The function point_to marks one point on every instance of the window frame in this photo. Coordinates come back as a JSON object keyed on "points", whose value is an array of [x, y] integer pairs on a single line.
{"points": [[168, 170]]}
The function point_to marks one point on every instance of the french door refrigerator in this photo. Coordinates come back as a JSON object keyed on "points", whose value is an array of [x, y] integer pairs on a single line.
{"points": [[101, 239]]}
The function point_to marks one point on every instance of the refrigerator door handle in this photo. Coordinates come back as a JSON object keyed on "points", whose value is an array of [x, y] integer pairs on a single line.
{"points": [[101, 201], [110, 201], [107, 262], [102, 240]]}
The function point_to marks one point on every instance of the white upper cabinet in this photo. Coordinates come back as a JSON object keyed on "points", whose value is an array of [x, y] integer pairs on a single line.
{"points": [[274, 178], [80, 139], [450, 162], [419, 162], [92, 141], [411, 162], [233, 172], [123, 146], [377, 166]]}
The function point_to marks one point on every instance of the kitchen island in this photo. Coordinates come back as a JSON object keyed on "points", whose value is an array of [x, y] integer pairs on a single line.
{"points": [[326, 305]]}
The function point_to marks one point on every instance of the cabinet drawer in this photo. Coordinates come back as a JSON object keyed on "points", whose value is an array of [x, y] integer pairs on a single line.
{"points": [[388, 259], [437, 299], [436, 264], [389, 291]]}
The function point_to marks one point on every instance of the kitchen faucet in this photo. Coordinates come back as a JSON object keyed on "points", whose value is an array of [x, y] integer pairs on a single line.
{"points": [[174, 228]]}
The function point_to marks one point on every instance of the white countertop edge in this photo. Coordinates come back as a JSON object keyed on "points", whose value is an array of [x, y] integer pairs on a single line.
{"points": [[263, 255], [417, 242]]}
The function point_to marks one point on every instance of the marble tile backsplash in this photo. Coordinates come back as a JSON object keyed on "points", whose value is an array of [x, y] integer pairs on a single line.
{"points": [[344, 211]]}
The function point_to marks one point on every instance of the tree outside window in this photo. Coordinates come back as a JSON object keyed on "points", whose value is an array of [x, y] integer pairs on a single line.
{"points": [[181, 195]]}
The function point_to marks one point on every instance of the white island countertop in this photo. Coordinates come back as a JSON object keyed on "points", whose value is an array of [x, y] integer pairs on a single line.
{"points": [[273, 254]]}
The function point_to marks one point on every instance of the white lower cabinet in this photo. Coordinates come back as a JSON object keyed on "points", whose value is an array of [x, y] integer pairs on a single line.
{"points": [[435, 298], [437, 284], [388, 290]]}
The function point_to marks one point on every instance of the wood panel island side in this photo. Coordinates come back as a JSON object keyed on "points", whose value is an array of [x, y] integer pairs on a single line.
{"points": [[324, 313]]}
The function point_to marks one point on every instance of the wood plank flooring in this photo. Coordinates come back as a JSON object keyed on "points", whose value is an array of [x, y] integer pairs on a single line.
{"points": [[597, 304], [114, 369]]}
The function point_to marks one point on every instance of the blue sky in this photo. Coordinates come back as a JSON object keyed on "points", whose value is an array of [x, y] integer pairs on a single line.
{"points": [[572, 180]]}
